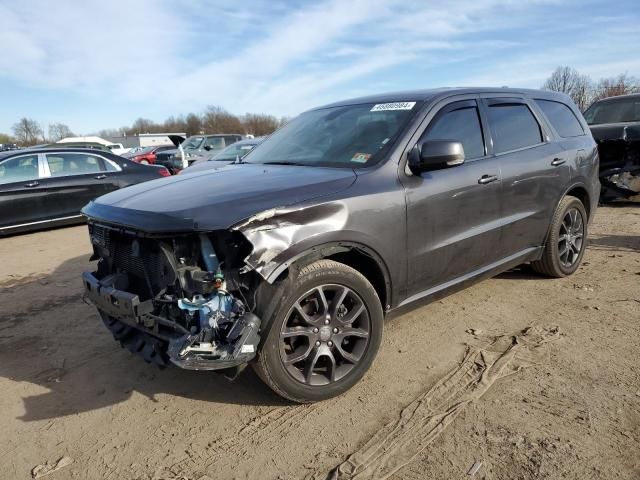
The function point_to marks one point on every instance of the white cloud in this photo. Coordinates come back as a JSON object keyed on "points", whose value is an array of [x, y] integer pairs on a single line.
{"points": [[267, 56]]}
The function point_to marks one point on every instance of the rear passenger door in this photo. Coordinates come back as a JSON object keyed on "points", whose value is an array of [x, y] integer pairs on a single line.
{"points": [[74, 180], [534, 171], [22, 191]]}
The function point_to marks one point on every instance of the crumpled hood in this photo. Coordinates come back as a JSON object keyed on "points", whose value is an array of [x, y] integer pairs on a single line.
{"points": [[215, 199]]}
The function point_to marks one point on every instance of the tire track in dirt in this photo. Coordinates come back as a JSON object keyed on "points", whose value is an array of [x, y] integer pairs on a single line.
{"points": [[423, 420]]}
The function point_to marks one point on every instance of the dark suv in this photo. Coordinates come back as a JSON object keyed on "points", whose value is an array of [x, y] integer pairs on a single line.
{"points": [[290, 259]]}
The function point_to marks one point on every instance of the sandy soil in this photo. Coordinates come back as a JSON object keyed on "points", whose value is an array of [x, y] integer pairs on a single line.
{"points": [[69, 390]]}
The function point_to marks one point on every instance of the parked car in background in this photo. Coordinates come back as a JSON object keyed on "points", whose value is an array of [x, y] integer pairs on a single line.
{"points": [[8, 146], [132, 151], [147, 156], [40, 188], [195, 148], [117, 148], [615, 126], [232, 153], [291, 258]]}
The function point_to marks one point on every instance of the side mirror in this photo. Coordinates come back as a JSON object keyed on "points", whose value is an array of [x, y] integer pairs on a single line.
{"points": [[435, 155], [207, 148]]}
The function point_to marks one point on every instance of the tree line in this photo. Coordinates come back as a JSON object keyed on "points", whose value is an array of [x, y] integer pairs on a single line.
{"points": [[584, 90], [214, 119], [581, 88]]}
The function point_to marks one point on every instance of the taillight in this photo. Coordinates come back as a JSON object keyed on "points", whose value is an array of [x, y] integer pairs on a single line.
{"points": [[164, 172]]}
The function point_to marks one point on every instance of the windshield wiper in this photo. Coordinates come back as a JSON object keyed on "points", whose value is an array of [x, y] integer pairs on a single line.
{"points": [[283, 162]]}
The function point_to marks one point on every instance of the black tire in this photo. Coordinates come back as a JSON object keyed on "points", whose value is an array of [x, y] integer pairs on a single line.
{"points": [[322, 274], [551, 263]]}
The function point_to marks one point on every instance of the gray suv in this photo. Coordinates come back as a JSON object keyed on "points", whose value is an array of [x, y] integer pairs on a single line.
{"points": [[290, 259]]}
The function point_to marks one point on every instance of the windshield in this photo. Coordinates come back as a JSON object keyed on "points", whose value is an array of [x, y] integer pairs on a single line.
{"points": [[233, 151], [192, 143], [614, 111], [346, 136]]}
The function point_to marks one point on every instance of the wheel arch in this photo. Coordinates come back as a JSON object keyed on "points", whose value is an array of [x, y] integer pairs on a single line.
{"points": [[580, 191], [357, 255]]}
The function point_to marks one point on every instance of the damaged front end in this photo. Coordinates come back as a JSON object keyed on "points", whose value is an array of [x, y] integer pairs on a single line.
{"points": [[176, 298], [619, 151]]}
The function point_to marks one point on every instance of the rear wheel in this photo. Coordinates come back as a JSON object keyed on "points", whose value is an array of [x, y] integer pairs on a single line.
{"points": [[566, 240], [325, 333]]}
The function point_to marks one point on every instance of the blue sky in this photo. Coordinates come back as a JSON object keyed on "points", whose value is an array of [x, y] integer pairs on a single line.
{"points": [[96, 64]]}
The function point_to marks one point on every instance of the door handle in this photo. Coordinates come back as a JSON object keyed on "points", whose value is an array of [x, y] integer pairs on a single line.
{"points": [[32, 184], [558, 161], [100, 177], [484, 179]]}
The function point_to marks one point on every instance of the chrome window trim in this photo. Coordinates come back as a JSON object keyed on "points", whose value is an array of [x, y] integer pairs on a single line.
{"points": [[106, 160]]}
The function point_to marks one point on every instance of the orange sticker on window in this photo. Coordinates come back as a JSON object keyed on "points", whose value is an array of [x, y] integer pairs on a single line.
{"points": [[361, 157]]}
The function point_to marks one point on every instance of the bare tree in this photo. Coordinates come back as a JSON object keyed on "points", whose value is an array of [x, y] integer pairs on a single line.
{"points": [[193, 124], [58, 131], [217, 120], [260, 124], [568, 80], [27, 131], [623, 84]]}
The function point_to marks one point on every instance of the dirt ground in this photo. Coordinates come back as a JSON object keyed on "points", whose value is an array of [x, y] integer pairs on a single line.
{"points": [[69, 390]]}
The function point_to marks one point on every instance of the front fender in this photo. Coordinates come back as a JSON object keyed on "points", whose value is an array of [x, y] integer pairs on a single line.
{"points": [[282, 236]]}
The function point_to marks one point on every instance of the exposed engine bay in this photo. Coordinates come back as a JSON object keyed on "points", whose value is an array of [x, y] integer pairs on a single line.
{"points": [[177, 298]]}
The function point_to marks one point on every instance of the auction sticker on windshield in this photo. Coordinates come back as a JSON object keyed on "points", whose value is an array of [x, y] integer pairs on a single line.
{"points": [[384, 107], [361, 157]]}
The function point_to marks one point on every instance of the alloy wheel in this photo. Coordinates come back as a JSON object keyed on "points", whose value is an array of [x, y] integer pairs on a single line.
{"points": [[325, 335], [571, 237]]}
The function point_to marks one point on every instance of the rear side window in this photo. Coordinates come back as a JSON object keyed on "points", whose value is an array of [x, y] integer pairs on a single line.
{"points": [[461, 125], [65, 164], [561, 117], [513, 126]]}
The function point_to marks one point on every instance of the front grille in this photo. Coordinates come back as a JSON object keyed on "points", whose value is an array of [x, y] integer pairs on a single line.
{"points": [[142, 259]]}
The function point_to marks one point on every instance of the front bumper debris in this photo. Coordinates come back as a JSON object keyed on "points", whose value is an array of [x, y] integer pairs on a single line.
{"points": [[159, 340]]}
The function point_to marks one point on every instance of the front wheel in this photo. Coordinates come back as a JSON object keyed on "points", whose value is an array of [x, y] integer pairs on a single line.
{"points": [[324, 334], [566, 240]]}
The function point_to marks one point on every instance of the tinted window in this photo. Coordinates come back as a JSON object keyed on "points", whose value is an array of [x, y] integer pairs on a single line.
{"points": [[561, 117], [215, 142], [462, 125], [63, 164], [513, 126], [19, 169], [614, 111]]}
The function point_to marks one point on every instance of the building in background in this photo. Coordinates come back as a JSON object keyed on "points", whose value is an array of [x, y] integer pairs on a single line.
{"points": [[146, 139]]}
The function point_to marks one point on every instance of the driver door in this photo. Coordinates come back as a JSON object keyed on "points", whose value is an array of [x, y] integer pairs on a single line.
{"points": [[453, 214]]}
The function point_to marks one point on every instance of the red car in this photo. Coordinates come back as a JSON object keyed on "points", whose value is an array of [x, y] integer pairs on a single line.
{"points": [[147, 156]]}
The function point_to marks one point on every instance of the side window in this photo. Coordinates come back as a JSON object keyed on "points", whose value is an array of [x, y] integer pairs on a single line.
{"points": [[19, 169], [215, 142], [109, 167], [64, 164], [461, 125], [230, 139], [513, 126], [561, 117]]}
